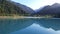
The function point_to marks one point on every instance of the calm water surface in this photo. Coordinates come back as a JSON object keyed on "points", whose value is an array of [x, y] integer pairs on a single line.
{"points": [[30, 26]]}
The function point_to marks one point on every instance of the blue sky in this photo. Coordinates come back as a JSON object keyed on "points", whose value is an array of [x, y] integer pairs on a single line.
{"points": [[35, 4]]}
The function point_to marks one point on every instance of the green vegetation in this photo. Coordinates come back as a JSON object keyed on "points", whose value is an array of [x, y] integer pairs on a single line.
{"points": [[9, 9]]}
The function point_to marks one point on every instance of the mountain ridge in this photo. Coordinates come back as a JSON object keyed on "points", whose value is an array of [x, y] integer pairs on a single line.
{"points": [[53, 10], [10, 7]]}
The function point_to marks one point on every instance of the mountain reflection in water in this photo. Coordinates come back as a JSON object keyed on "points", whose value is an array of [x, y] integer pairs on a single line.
{"points": [[50, 23], [11, 25], [30, 26], [42, 26], [36, 29]]}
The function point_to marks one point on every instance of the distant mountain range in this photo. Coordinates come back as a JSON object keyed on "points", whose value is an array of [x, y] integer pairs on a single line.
{"points": [[10, 8], [53, 10]]}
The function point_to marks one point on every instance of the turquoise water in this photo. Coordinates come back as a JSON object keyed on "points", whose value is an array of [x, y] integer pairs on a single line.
{"points": [[30, 26]]}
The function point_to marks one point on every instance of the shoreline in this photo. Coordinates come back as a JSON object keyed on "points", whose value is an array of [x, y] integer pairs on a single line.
{"points": [[17, 17], [22, 17]]}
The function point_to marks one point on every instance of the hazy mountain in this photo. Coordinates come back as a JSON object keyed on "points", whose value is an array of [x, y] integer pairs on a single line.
{"points": [[50, 10], [10, 7]]}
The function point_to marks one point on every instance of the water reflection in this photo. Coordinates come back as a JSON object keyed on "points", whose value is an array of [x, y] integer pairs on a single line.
{"points": [[50, 23], [30, 26], [42, 26], [11, 25], [36, 29]]}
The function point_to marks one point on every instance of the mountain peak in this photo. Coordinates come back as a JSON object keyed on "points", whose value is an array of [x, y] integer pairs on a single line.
{"points": [[51, 10], [56, 4]]}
